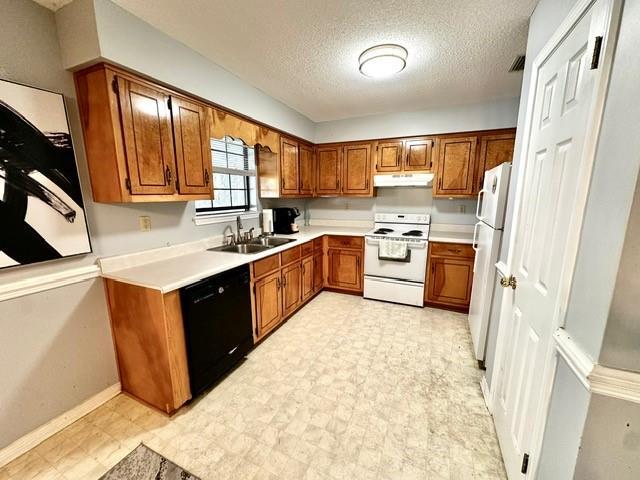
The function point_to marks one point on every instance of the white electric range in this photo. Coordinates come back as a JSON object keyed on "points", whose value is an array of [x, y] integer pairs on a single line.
{"points": [[397, 280]]}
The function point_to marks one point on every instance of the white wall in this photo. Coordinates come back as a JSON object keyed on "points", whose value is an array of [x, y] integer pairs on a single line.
{"points": [[620, 346], [387, 200], [55, 347], [486, 116]]}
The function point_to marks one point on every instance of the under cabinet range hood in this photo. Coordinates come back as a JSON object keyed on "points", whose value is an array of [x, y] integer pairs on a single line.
{"points": [[403, 180]]}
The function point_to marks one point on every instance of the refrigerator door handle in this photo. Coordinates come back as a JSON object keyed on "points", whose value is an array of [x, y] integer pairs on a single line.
{"points": [[478, 206], [474, 245]]}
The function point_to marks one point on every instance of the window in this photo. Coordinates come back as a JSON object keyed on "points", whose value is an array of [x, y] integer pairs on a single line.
{"points": [[234, 178]]}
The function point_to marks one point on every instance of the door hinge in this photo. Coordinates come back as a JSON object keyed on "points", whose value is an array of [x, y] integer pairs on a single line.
{"points": [[169, 103], [114, 85], [127, 183], [597, 48], [525, 463]]}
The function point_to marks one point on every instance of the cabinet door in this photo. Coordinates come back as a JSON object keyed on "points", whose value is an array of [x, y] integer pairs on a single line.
{"points": [[318, 270], [307, 170], [450, 281], [328, 168], [268, 299], [193, 147], [494, 150], [307, 278], [389, 157], [289, 167], [417, 155], [344, 269], [356, 170], [456, 162], [148, 140], [291, 287]]}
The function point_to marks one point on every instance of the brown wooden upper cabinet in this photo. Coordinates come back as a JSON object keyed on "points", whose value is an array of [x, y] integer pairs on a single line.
{"points": [[344, 170], [296, 171], [289, 167], [462, 161], [494, 150], [456, 166], [307, 170], [144, 142], [409, 154]]}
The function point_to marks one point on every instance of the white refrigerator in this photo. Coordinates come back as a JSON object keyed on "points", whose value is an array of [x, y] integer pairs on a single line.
{"points": [[487, 236]]}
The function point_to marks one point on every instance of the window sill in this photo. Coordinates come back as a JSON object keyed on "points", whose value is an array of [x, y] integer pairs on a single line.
{"points": [[211, 219]]}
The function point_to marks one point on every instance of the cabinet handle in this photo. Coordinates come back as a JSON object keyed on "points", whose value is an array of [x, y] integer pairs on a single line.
{"points": [[480, 182], [284, 282], [433, 269], [278, 283], [366, 184], [440, 184], [206, 176], [454, 250], [167, 175]]}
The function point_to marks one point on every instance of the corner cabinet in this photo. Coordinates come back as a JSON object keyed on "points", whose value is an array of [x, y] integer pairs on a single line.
{"points": [[144, 142], [449, 275]]}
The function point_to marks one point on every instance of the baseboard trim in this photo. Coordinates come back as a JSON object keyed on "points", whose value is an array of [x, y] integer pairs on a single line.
{"points": [[41, 283], [577, 360], [486, 394], [40, 434], [612, 382]]}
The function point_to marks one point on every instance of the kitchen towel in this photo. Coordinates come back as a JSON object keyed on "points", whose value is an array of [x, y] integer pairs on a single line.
{"points": [[392, 249]]}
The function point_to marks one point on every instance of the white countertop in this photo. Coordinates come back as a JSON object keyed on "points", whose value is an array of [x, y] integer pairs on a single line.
{"points": [[451, 237], [182, 270], [451, 233]]}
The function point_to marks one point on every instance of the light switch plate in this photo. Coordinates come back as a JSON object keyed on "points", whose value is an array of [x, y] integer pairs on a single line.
{"points": [[145, 223]]}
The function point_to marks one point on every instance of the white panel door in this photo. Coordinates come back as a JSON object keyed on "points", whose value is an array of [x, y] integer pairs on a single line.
{"points": [[555, 167]]}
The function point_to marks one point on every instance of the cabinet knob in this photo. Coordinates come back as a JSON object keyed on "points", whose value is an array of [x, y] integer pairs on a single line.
{"points": [[167, 175]]}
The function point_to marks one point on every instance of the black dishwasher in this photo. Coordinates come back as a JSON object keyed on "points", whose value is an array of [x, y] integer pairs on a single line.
{"points": [[217, 324]]}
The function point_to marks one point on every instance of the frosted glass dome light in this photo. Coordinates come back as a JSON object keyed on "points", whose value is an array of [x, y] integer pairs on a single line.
{"points": [[383, 60]]}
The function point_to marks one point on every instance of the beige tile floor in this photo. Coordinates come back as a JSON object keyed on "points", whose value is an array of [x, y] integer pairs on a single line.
{"points": [[347, 389]]}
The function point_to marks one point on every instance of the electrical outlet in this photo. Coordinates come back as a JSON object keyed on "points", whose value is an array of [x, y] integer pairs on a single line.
{"points": [[145, 223], [462, 208]]}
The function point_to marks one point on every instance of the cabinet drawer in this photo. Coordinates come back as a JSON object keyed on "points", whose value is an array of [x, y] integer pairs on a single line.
{"points": [[460, 250], [265, 265], [345, 242], [290, 255], [307, 248], [317, 244]]}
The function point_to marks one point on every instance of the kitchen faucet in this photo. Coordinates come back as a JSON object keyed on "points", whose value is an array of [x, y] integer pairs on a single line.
{"points": [[239, 228]]}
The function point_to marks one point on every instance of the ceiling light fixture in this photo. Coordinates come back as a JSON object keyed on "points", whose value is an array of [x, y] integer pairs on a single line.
{"points": [[383, 60]]}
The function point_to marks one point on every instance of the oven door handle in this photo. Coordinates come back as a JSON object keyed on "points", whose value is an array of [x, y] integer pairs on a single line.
{"points": [[406, 259]]}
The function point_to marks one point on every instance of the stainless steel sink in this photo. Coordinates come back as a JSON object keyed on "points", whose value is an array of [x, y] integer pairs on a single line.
{"points": [[271, 241], [241, 248]]}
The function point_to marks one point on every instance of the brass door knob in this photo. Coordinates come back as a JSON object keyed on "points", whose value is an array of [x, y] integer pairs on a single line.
{"points": [[510, 281]]}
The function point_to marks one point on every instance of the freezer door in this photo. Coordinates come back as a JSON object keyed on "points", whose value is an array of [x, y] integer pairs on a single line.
{"points": [[492, 199], [486, 244]]}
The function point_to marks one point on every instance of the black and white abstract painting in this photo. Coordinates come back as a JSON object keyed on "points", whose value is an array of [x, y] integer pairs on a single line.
{"points": [[41, 208]]}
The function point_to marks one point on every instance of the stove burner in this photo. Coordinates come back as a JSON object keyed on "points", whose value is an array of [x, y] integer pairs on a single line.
{"points": [[383, 231], [412, 233]]}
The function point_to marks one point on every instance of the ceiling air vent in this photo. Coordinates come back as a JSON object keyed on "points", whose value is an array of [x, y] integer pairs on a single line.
{"points": [[518, 64]]}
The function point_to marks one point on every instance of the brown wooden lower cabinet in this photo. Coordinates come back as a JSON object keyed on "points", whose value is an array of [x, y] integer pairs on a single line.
{"points": [[268, 303], [307, 266], [148, 335], [345, 263], [449, 275], [291, 287]]}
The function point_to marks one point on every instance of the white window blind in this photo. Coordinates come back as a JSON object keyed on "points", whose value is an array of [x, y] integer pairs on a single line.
{"points": [[234, 178]]}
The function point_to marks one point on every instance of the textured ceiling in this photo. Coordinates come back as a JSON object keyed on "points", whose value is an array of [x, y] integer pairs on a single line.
{"points": [[305, 53]]}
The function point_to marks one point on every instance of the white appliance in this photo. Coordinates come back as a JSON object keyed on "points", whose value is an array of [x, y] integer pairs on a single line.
{"points": [[403, 180], [267, 221], [398, 280], [487, 235]]}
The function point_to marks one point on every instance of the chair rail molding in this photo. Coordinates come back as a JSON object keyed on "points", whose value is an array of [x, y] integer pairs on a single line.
{"points": [[48, 281], [612, 382], [578, 361]]}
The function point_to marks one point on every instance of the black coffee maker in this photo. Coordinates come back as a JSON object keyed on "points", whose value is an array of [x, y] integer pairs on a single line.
{"points": [[284, 220]]}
